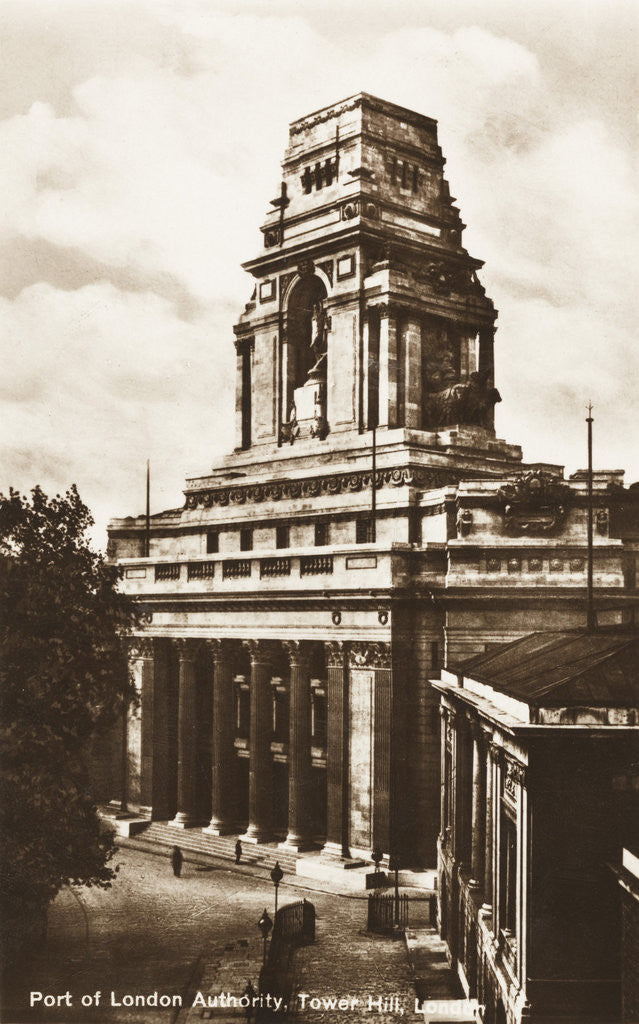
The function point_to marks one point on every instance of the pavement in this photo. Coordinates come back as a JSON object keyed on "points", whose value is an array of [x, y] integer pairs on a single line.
{"points": [[152, 933]]}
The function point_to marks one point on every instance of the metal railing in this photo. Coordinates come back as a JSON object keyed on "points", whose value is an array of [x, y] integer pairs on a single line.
{"points": [[386, 911], [294, 925]]}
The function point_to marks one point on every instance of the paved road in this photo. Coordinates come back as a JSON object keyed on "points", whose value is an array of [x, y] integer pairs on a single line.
{"points": [[154, 933]]}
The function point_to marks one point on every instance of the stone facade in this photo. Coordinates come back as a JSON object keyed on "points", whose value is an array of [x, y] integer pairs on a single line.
{"points": [[537, 799], [368, 525]]}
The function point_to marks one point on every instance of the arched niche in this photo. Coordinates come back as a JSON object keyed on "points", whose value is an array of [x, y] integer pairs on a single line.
{"points": [[305, 357]]}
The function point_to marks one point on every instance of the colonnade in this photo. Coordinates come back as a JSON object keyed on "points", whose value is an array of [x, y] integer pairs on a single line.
{"points": [[170, 724]]}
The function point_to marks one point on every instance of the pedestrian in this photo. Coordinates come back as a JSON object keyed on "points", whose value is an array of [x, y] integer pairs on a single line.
{"points": [[177, 859], [238, 852], [249, 994]]}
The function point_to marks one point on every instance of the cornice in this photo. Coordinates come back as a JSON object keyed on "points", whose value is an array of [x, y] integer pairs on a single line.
{"points": [[313, 487]]}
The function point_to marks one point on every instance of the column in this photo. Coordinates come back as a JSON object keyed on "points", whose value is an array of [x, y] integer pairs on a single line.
{"points": [[443, 781], [478, 818], [299, 747], [154, 737], [411, 348], [260, 773], [380, 659], [186, 815], [223, 774], [387, 367], [336, 844], [371, 369], [487, 907]]}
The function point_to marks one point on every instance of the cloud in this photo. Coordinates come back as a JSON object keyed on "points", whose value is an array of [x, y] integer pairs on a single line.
{"points": [[118, 378], [141, 144]]}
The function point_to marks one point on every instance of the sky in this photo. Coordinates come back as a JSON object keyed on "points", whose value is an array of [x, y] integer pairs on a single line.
{"points": [[140, 144]]}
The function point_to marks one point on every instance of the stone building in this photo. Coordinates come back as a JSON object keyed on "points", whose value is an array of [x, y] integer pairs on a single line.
{"points": [[539, 746], [368, 525]]}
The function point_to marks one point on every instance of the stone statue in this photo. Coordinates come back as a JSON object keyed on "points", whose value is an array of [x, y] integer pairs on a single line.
{"points": [[467, 403], [318, 340]]}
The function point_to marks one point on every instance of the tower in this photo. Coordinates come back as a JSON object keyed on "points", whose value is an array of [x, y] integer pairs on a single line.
{"points": [[367, 310]]}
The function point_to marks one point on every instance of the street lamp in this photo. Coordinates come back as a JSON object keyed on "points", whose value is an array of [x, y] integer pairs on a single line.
{"points": [[264, 924], [276, 877]]}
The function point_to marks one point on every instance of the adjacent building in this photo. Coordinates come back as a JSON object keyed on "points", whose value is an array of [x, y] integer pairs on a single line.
{"points": [[539, 748], [368, 526]]}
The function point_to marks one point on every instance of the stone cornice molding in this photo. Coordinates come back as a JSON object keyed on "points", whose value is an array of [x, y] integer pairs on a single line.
{"points": [[369, 655], [313, 487]]}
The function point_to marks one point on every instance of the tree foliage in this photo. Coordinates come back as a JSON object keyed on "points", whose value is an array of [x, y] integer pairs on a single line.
{"points": [[64, 677]]}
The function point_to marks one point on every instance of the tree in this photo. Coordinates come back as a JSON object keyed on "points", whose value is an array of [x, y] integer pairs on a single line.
{"points": [[64, 678]]}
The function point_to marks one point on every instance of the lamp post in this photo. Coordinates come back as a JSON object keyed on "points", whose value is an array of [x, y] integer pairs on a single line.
{"points": [[276, 877], [264, 924], [393, 864]]}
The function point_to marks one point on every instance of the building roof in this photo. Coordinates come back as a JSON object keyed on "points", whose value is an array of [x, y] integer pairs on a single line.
{"points": [[563, 669]]}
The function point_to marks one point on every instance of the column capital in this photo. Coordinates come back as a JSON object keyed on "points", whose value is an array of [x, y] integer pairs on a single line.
{"points": [[141, 647], [261, 650], [187, 648], [495, 752], [298, 652], [476, 731], [335, 653], [219, 649]]}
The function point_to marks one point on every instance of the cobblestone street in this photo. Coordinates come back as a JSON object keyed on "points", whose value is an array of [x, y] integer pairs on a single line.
{"points": [[153, 932]]}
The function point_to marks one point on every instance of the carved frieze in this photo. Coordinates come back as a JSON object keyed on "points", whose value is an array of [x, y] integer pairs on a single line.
{"points": [[327, 268], [445, 278], [342, 483], [514, 779], [373, 655], [534, 503], [285, 280]]}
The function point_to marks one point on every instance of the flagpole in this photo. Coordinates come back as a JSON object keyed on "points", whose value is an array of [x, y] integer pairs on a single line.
{"points": [[591, 621], [147, 530]]}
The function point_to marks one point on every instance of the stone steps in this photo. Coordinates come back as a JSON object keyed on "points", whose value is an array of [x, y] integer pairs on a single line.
{"points": [[196, 841]]}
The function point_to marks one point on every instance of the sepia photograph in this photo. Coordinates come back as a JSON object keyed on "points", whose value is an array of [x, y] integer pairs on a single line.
{"points": [[319, 512]]}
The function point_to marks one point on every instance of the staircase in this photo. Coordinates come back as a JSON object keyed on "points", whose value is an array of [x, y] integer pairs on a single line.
{"points": [[195, 841]]}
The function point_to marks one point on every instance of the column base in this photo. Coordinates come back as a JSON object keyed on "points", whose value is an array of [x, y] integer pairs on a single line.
{"points": [[184, 820], [296, 844], [219, 828], [256, 835], [334, 851], [146, 812]]}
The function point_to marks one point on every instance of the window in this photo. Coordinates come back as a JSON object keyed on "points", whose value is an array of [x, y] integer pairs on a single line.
{"points": [[212, 542], [242, 708], [246, 538], [508, 872], [318, 717], [321, 534], [364, 530], [282, 535], [279, 711], [469, 352]]}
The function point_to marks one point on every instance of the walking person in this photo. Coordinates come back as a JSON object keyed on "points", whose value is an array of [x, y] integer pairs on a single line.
{"points": [[238, 852], [177, 859]]}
